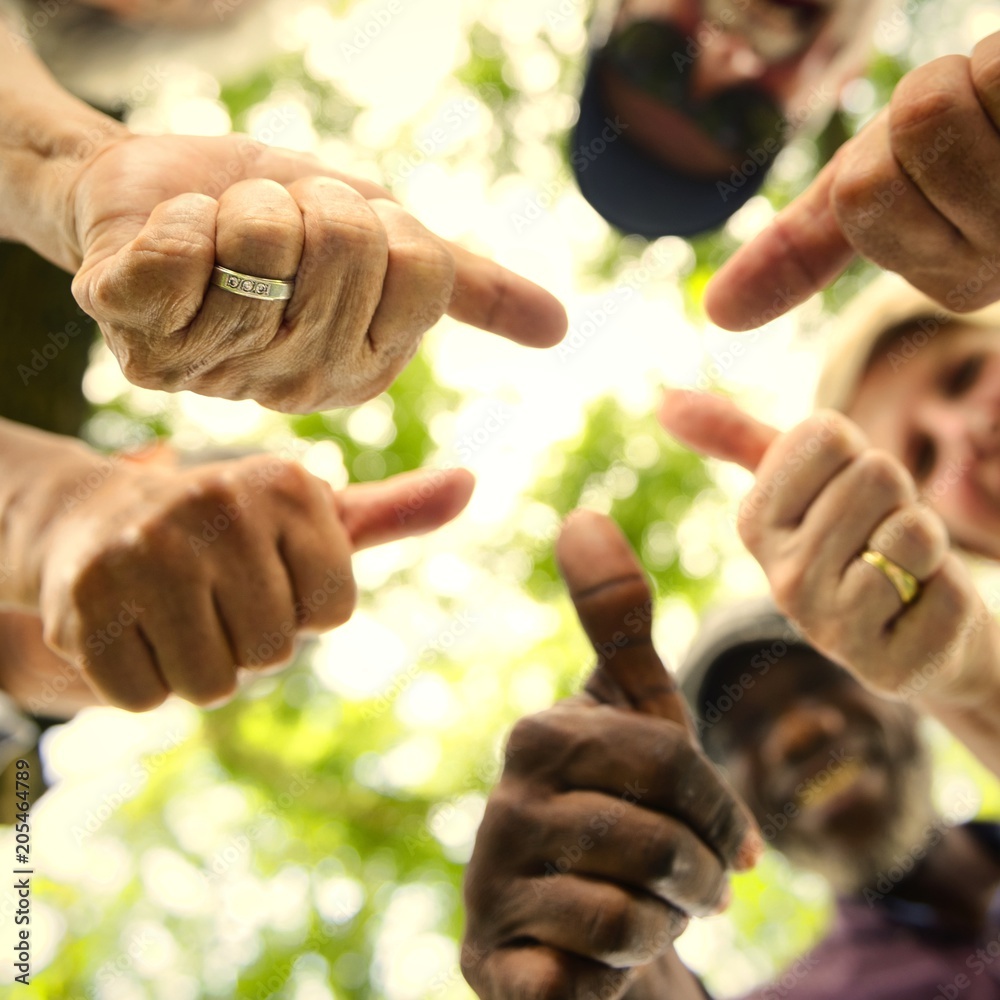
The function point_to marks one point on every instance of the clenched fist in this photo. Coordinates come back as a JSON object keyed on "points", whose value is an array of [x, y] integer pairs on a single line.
{"points": [[609, 827], [822, 498], [147, 218], [162, 580], [916, 192]]}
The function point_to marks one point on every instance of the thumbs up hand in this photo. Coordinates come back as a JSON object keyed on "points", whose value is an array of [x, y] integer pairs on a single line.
{"points": [[609, 827], [822, 498]]}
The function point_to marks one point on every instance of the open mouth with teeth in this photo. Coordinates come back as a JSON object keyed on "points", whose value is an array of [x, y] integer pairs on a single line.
{"points": [[828, 784]]}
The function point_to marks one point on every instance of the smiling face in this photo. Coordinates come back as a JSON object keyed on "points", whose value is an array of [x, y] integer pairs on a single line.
{"points": [[938, 409], [701, 83], [835, 775]]}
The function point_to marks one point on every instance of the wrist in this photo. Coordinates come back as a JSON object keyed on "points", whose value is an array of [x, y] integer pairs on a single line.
{"points": [[54, 477], [46, 137], [965, 677]]}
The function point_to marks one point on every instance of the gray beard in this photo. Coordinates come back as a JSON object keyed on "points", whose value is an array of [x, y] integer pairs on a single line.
{"points": [[849, 871]]}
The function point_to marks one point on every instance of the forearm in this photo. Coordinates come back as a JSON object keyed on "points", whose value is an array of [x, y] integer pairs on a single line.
{"points": [[978, 728], [37, 679], [41, 476], [44, 134], [972, 713]]}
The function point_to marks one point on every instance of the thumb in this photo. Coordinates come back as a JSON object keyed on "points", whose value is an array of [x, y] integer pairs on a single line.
{"points": [[613, 600], [410, 504], [614, 603], [800, 252], [715, 426], [492, 298]]}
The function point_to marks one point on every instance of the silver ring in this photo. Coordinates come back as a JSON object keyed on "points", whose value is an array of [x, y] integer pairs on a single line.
{"points": [[270, 289]]}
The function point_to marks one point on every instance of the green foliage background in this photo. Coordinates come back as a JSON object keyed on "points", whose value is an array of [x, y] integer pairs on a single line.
{"points": [[273, 852]]}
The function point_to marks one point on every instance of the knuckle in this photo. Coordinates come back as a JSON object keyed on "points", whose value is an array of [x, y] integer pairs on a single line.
{"points": [[104, 293], [530, 740], [142, 370], [215, 688], [290, 478], [361, 236], [748, 523], [213, 489], [609, 927], [926, 531], [788, 579], [138, 701], [513, 820], [266, 231], [884, 473], [853, 191], [155, 540], [662, 852], [952, 593], [343, 604], [920, 105], [984, 68], [834, 434], [430, 267]]}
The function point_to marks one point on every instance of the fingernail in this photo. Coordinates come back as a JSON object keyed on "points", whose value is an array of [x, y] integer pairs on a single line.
{"points": [[750, 851]]}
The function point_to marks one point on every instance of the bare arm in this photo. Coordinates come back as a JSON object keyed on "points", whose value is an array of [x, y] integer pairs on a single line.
{"points": [[44, 134], [823, 496]]}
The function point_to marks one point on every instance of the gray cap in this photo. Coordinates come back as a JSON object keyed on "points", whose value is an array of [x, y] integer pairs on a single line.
{"points": [[755, 624]]}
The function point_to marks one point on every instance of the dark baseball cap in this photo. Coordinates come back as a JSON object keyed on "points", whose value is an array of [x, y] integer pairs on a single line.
{"points": [[638, 193], [753, 627]]}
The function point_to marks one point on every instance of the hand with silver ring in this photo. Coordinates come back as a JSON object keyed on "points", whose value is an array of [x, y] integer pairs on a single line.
{"points": [[853, 554], [232, 269]]}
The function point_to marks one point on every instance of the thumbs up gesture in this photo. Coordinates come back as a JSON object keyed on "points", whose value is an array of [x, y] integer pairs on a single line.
{"points": [[609, 827], [823, 502]]}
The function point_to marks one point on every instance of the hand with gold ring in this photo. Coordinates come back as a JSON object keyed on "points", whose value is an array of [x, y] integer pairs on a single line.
{"points": [[232, 269], [852, 553]]}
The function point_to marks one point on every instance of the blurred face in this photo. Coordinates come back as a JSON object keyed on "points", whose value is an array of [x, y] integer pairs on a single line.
{"points": [[938, 409], [703, 83], [835, 775]]}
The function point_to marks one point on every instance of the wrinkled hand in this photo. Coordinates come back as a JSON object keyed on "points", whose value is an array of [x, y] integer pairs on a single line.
{"points": [[166, 580], [822, 496], [151, 215], [916, 191], [608, 827]]}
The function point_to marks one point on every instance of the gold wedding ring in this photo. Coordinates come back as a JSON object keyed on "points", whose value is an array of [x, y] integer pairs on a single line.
{"points": [[269, 289], [906, 584]]}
